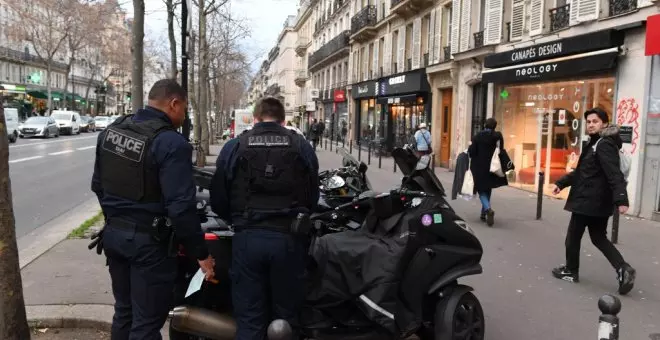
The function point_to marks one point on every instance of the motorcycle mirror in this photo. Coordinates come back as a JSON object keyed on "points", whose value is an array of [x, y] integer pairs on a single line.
{"points": [[363, 167]]}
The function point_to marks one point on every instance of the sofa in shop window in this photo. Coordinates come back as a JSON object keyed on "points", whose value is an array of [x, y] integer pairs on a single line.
{"points": [[558, 160]]}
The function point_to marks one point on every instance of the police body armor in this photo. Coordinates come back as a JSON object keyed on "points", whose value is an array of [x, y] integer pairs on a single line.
{"points": [[271, 178], [127, 166]]}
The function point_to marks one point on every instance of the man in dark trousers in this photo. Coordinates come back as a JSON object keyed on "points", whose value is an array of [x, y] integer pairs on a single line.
{"points": [[266, 177], [597, 186], [143, 178]]}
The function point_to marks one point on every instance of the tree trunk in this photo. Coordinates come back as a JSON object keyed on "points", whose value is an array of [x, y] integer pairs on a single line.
{"points": [[203, 78], [170, 30], [13, 321], [138, 55], [66, 83], [49, 90], [211, 116], [193, 93]]}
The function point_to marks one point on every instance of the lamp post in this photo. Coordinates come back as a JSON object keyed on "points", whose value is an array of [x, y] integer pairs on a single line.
{"points": [[186, 23]]}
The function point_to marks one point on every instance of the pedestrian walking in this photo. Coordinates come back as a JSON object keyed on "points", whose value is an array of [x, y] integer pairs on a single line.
{"points": [[597, 187], [422, 140], [264, 180], [481, 152], [314, 133], [143, 179]]}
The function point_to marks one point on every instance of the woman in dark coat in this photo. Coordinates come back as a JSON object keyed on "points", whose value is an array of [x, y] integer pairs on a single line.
{"points": [[481, 152]]}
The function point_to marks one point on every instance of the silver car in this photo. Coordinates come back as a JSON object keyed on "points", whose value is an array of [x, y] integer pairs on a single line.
{"points": [[39, 127]]}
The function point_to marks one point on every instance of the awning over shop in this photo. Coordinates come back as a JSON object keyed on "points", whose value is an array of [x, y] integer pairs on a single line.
{"points": [[564, 67], [43, 94]]}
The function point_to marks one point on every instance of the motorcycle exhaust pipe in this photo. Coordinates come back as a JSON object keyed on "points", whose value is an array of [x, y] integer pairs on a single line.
{"points": [[203, 323], [208, 324]]}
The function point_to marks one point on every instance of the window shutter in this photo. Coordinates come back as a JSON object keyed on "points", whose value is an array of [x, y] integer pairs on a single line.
{"points": [[466, 21], [401, 55], [455, 24], [536, 15], [387, 54], [517, 20], [374, 66], [437, 36], [433, 50], [417, 43], [573, 19], [588, 10], [493, 22]]}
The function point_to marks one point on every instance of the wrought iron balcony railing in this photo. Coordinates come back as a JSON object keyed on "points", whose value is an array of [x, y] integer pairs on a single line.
{"points": [[560, 17], [618, 7], [331, 47], [364, 18], [479, 39], [447, 52], [394, 3]]}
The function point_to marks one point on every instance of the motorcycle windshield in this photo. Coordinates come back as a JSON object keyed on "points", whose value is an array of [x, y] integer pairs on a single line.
{"points": [[407, 162]]}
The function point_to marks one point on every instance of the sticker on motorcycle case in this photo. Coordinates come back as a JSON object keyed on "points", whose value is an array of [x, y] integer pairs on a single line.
{"points": [[427, 220], [437, 218]]}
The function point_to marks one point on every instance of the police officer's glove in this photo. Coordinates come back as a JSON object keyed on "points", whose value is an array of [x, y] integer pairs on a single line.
{"points": [[97, 241]]}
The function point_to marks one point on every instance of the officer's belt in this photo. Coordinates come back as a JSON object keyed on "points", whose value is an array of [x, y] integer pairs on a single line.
{"points": [[123, 224]]}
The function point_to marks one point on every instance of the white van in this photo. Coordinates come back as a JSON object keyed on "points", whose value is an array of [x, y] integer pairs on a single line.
{"points": [[67, 121], [11, 120]]}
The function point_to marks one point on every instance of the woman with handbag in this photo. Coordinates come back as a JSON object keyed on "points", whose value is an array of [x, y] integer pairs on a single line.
{"points": [[422, 141], [481, 151]]}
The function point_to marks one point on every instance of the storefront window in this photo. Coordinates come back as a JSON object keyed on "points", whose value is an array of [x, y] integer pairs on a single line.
{"points": [[535, 118], [369, 119], [406, 117]]}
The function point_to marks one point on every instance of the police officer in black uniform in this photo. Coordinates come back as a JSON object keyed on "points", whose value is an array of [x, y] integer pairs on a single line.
{"points": [[266, 178], [143, 180]]}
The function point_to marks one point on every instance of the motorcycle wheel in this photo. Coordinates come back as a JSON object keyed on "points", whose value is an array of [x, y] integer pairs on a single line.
{"points": [[459, 317]]}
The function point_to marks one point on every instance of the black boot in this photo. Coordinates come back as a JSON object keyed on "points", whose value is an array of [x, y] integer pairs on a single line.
{"points": [[564, 273], [626, 277]]}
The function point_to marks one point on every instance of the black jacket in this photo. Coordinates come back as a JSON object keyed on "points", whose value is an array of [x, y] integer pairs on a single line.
{"points": [[462, 165], [481, 152], [597, 184]]}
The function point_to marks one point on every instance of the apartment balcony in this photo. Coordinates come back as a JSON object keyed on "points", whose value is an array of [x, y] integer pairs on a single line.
{"points": [[446, 53], [618, 7], [560, 17], [479, 39], [363, 24], [273, 54], [301, 77], [301, 45], [9, 54], [333, 50], [407, 8], [273, 90]]}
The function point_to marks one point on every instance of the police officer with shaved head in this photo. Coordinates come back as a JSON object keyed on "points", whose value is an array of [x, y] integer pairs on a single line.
{"points": [[266, 182], [144, 183]]}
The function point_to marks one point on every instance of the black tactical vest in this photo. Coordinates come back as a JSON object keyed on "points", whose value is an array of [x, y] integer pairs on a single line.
{"points": [[127, 167], [270, 177]]}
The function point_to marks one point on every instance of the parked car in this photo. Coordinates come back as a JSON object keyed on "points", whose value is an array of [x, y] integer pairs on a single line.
{"points": [[11, 121], [87, 124], [68, 121], [39, 126], [102, 122]]}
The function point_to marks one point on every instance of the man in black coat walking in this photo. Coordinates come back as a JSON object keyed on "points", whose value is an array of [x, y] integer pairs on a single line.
{"points": [[597, 186]]}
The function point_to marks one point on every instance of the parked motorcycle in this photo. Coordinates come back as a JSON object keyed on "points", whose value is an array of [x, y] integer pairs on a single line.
{"points": [[396, 275]]}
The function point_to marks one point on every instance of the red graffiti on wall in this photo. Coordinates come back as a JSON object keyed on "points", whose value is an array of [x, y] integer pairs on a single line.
{"points": [[627, 113]]}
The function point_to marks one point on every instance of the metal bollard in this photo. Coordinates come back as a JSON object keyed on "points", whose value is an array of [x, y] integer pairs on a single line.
{"points": [[380, 157], [331, 137], [325, 143], [433, 162], [343, 142], [350, 146], [369, 154], [608, 321], [539, 196], [615, 225], [393, 161], [359, 147]]}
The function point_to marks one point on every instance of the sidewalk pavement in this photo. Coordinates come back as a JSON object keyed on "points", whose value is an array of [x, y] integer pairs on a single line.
{"points": [[69, 285]]}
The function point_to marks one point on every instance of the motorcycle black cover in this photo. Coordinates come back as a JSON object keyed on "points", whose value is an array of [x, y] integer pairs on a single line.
{"points": [[365, 267]]}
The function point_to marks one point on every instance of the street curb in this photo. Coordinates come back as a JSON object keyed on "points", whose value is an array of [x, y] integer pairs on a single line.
{"points": [[70, 316], [41, 240]]}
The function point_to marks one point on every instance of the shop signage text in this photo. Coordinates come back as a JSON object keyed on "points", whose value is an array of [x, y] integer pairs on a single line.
{"points": [[550, 96], [532, 71], [365, 90], [549, 50], [559, 48], [339, 96], [397, 80]]}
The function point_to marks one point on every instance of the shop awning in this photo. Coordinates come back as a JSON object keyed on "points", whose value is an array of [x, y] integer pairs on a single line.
{"points": [[565, 67], [43, 94], [397, 99]]}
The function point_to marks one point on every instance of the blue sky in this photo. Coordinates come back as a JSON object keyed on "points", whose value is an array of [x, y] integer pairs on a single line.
{"points": [[265, 18]]}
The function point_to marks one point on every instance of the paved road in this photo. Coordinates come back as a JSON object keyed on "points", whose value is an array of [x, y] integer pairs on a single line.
{"points": [[49, 177]]}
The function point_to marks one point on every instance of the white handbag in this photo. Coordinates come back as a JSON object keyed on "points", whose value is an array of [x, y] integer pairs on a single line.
{"points": [[495, 164], [467, 189]]}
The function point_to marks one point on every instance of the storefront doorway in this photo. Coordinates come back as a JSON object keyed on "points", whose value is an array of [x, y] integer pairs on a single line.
{"points": [[446, 123]]}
